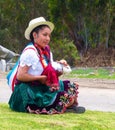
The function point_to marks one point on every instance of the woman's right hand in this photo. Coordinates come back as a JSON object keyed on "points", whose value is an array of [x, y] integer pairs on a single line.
{"points": [[43, 79]]}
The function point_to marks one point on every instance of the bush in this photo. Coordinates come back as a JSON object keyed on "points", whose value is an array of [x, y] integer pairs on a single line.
{"points": [[64, 49]]}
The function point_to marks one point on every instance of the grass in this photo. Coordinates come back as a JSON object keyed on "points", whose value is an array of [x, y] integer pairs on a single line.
{"points": [[90, 120], [92, 73]]}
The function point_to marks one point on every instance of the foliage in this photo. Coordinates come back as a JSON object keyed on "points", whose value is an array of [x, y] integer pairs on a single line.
{"points": [[91, 21], [14, 18], [64, 49], [88, 24], [91, 120]]}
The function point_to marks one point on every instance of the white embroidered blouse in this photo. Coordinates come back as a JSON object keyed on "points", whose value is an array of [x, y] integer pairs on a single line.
{"points": [[31, 58]]}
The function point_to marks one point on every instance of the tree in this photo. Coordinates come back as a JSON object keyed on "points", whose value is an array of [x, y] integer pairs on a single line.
{"points": [[87, 22], [14, 18]]}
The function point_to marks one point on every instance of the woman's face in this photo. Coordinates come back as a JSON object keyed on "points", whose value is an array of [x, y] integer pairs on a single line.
{"points": [[42, 38]]}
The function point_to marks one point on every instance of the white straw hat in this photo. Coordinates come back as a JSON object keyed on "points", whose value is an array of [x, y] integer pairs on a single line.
{"points": [[36, 22]]}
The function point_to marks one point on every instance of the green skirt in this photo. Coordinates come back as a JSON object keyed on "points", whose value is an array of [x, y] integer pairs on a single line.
{"points": [[25, 94]]}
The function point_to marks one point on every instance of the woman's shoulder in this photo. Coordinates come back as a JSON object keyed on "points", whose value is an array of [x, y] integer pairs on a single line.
{"points": [[29, 47], [29, 52], [29, 56]]}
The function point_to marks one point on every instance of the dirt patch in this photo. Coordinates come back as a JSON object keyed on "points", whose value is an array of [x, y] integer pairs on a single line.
{"points": [[94, 83], [98, 57], [83, 82]]}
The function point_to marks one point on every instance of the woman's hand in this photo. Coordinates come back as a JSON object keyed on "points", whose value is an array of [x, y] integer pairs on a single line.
{"points": [[23, 75], [63, 62], [43, 79], [59, 73]]}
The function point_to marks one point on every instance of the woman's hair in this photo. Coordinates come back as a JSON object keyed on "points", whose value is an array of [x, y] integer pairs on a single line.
{"points": [[37, 29]]}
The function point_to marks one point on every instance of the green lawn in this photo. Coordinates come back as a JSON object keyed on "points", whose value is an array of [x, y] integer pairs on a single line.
{"points": [[92, 73], [90, 120]]}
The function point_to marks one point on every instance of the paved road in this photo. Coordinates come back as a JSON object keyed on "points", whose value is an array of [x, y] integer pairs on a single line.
{"points": [[99, 99], [5, 91]]}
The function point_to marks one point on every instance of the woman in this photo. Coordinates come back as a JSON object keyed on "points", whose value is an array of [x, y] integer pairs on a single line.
{"points": [[37, 88]]}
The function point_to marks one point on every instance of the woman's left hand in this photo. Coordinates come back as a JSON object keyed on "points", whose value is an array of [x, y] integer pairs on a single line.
{"points": [[59, 73], [63, 62]]}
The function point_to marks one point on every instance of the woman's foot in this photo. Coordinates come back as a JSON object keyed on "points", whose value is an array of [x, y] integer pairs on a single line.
{"points": [[76, 109], [79, 109]]}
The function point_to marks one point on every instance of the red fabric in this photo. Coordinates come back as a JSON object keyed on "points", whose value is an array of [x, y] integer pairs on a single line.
{"points": [[43, 51], [52, 77], [49, 71]]}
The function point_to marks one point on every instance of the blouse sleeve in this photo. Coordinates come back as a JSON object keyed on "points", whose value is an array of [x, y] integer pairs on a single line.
{"points": [[56, 65], [29, 58]]}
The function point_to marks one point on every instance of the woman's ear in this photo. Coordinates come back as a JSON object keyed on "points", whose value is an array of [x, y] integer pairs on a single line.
{"points": [[34, 35]]}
